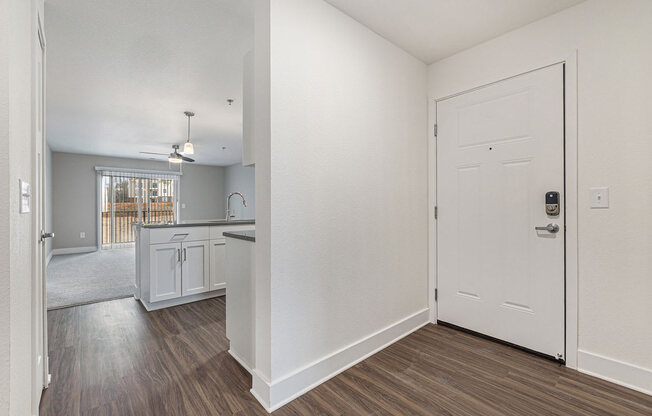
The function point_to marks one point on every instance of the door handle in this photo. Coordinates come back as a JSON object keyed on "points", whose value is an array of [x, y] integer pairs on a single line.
{"points": [[45, 235], [551, 228], [178, 255], [184, 254]]}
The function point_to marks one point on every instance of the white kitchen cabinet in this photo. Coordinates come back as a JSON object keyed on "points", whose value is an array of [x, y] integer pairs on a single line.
{"points": [[179, 264], [195, 267], [218, 261], [165, 271]]}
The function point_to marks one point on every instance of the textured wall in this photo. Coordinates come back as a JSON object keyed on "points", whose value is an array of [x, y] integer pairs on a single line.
{"points": [[348, 183], [17, 36]]}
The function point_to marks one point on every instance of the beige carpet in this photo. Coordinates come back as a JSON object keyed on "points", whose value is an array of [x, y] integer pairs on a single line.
{"points": [[75, 279]]}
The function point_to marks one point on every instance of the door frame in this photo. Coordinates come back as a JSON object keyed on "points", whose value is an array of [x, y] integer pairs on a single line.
{"points": [[570, 197]]}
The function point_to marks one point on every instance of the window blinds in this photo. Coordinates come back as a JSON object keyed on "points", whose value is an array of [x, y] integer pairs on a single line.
{"points": [[130, 196]]}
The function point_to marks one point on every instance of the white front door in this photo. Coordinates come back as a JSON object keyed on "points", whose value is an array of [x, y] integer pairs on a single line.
{"points": [[500, 151]]}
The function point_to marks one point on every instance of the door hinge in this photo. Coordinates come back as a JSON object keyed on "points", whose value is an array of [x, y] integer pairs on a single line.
{"points": [[436, 295], [436, 213], [435, 129]]}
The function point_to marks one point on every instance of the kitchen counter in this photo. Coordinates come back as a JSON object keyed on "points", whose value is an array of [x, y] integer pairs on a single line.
{"points": [[201, 223], [249, 235]]}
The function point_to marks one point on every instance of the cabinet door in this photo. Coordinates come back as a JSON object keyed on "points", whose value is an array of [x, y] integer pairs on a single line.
{"points": [[218, 264], [164, 271], [195, 267]]}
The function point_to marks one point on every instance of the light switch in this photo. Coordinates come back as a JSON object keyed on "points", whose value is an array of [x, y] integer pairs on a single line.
{"points": [[183, 205], [82, 235], [25, 196], [599, 197]]}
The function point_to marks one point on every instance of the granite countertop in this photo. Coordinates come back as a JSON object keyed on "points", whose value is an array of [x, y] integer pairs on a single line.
{"points": [[249, 235], [195, 224]]}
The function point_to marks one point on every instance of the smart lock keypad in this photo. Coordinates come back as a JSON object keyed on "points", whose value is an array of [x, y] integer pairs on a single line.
{"points": [[552, 203]]}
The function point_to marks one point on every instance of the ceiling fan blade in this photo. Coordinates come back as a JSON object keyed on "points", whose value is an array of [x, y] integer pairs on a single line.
{"points": [[186, 159], [153, 153]]}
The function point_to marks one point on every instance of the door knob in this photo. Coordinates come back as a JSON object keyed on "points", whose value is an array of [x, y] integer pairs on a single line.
{"points": [[551, 228], [45, 235]]}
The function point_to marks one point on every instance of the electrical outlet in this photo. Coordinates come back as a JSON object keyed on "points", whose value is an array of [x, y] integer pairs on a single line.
{"points": [[82, 235]]}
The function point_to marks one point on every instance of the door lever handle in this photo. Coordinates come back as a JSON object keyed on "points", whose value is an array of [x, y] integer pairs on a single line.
{"points": [[551, 228]]}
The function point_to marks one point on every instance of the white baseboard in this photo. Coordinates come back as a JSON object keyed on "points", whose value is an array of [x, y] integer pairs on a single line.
{"points": [[618, 372], [180, 301], [280, 392], [73, 250], [241, 361]]}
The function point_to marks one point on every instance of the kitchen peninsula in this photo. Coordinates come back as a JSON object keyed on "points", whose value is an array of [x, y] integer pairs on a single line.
{"points": [[182, 263]]}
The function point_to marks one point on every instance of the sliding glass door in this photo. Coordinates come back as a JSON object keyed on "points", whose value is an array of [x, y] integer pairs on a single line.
{"points": [[127, 198]]}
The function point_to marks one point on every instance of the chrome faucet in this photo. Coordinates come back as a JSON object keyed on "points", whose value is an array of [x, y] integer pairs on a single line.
{"points": [[229, 215]]}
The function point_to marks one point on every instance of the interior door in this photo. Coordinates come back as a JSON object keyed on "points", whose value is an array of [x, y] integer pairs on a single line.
{"points": [[40, 375], [165, 271], [195, 267], [500, 150]]}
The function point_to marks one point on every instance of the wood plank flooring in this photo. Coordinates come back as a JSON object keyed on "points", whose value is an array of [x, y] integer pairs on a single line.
{"points": [[114, 358]]}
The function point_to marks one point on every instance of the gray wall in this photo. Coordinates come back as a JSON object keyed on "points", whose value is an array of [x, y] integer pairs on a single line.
{"points": [[74, 194], [240, 178]]}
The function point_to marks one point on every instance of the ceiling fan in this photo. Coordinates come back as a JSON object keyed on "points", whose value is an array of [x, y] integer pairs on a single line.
{"points": [[174, 157], [188, 149]]}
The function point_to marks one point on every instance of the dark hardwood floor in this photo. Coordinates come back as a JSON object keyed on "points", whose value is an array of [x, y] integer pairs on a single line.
{"points": [[114, 358]]}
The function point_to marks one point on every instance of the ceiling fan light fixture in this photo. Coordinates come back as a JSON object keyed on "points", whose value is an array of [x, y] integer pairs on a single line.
{"points": [[172, 159], [188, 148]]}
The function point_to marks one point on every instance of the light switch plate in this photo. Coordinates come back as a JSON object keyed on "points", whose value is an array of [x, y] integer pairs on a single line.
{"points": [[599, 197], [25, 196], [82, 235], [183, 205]]}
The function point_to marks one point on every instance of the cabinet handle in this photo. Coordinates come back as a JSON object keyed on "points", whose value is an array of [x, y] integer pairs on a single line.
{"points": [[178, 255], [184, 254]]}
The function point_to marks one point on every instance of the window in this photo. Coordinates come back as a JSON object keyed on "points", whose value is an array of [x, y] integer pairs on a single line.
{"points": [[129, 197]]}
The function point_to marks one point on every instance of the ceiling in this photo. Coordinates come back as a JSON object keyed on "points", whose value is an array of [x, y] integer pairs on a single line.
{"points": [[121, 73], [434, 29]]}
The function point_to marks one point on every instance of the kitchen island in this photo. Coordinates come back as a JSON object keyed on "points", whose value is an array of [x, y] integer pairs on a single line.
{"points": [[182, 262]]}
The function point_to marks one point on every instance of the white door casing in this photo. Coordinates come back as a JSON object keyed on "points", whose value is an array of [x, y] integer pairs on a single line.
{"points": [[500, 148], [165, 271], [195, 267]]}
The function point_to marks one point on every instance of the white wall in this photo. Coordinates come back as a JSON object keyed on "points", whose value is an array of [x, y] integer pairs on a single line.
{"points": [[74, 198], [348, 202], [238, 178], [16, 234], [614, 145]]}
